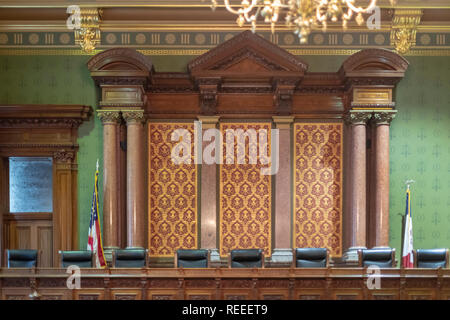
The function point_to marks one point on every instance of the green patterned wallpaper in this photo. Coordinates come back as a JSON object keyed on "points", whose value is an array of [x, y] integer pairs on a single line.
{"points": [[420, 134]]}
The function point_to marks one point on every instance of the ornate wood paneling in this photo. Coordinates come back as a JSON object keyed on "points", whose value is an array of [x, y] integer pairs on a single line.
{"points": [[43, 131], [245, 195], [226, 284], [318, 186], [173, 193]]}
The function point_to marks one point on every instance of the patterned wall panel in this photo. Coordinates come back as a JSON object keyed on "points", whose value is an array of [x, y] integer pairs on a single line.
{"points": [[173, 194], [318, 186], [245, 198]]}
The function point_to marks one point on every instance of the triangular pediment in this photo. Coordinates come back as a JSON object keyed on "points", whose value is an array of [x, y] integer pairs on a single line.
{"points": [[247, 54]]}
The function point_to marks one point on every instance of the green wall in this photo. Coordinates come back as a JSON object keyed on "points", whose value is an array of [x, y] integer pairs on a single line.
{"points": [[420, 134]]}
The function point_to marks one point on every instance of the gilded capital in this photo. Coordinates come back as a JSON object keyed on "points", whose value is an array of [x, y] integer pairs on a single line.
{"points": [[108, 117], [360, 117], [384, 117], [135, 116]]}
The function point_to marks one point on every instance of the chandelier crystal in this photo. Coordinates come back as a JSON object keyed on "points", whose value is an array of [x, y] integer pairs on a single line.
{"points": [[300, 15]]}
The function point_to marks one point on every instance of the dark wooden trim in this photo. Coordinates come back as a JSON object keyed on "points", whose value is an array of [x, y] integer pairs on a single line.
{"points": [[20, 216]]}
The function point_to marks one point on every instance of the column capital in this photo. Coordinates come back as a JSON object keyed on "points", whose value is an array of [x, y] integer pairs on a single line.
{"points": [[283, 122], [109, 116], [357, 117], [64, 156], [384, 117], [208, 122], [133, 116]]}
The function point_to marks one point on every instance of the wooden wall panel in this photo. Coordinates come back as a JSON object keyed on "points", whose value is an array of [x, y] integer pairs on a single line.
{"points": [[45, 244], [245, 197], [317, 186], [23, 237], [173, 193]]}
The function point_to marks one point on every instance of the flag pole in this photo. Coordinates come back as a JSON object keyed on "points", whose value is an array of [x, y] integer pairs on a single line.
{"points": [[407, 243]]}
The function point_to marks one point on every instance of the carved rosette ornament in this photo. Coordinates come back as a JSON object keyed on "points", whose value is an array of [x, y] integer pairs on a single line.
{"points": [[358, 118], [384, 117], [135, 116], [109, 117]]}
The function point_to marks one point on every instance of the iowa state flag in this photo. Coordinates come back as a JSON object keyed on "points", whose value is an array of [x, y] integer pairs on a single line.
{"points": [[407, 258], [95, 234]]}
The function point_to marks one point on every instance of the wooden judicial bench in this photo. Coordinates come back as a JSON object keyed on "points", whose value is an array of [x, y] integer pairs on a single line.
{"points": [[225, 284]]}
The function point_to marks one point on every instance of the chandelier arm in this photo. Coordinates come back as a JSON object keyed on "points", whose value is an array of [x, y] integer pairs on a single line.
{"points": [[241, 10], [321, 17], [361, 9], [348, 15]]}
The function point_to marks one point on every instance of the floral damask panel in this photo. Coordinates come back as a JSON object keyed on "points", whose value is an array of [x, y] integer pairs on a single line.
{"points": [[245, 193], [173, 193], [318, 186]]}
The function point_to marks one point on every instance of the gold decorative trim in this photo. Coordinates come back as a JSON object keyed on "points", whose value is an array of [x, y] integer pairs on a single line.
{"points": [[404, 29], [194, 52], [372, 96], [88, 36]]}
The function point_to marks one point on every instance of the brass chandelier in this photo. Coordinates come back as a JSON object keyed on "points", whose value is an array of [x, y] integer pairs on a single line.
{"points": [[300, 15]]}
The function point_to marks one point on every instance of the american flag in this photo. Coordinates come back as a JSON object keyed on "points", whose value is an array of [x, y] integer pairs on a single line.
{"points": [[95, 233]]}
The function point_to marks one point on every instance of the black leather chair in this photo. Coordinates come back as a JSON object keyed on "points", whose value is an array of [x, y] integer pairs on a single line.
{"points": [[22, 258], [383, 258], [130, 258], [192, 258], [430, 258], [310, 258], [82, 259], [246, 258]]}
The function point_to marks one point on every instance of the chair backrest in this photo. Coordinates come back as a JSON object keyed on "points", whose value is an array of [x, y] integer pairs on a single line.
{"points": [[192, 258], [130, 258], [310, 258], [383, 258], [431, 258], [22, 258], [246, 258], [82, 259]]}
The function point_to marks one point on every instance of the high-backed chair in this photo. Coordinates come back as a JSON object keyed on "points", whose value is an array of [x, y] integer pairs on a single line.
{"points": [[192, 258], [22, 258], [430, 258], [130, 258], [246, 258], [310, 258], [383, 258], [82, 259]]}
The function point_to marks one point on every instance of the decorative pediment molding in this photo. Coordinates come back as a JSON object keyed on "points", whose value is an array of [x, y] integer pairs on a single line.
{"points": [[249, 50], [375, 63], [121, 66]]}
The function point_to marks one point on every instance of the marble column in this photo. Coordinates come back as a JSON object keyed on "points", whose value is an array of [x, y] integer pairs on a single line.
{"points": [[110, 120], [382, 121], [282, 253], [135, 179], [358, 215], [208, 196]]}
